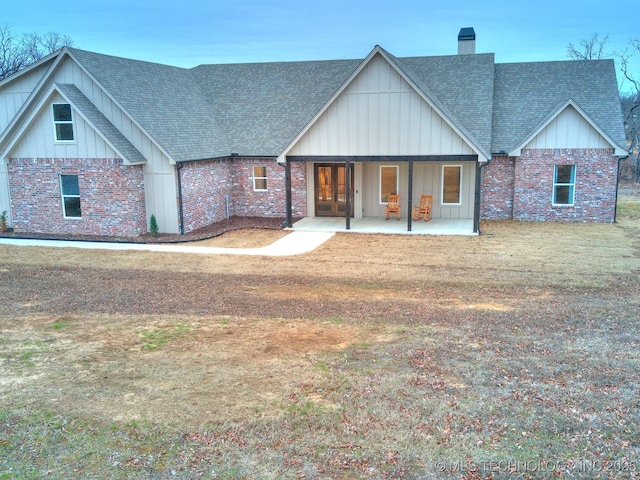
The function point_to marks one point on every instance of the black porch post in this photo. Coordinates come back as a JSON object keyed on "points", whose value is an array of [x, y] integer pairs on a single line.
{"points": [[348, 186], [287, 187], [476, 207], [410, 196]]}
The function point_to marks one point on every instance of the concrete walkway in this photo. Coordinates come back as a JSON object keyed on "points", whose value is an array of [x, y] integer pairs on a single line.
{"points": [[295, 243]]}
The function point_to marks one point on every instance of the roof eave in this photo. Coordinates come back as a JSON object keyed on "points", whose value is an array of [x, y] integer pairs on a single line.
{"points": [[30, 67]]}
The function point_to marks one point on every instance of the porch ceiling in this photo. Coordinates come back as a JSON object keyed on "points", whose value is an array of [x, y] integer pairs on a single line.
{"points": [[381, 158]]}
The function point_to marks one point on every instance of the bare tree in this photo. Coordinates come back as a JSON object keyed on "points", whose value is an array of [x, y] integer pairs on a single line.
{"points": [[11, 56], [591, 48], [18, 52], [631, 106]]}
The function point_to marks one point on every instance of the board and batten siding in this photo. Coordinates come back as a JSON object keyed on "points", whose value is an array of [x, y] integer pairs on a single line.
{"points": [[5, 204], [16, 91], [13, 94], [427, 180], [38, 140], [379, 113], [159, 174], [568, 130]]}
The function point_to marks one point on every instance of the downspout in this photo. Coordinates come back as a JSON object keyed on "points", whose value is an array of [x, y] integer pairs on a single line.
{"points": [[615, 205], [180, 210]]}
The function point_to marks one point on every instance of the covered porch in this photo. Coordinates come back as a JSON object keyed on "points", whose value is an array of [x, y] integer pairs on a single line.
{"points": [[360, 185], [382, 135], [437, 226]]}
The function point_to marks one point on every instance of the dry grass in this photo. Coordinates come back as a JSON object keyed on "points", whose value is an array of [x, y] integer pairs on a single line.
{"points": [[373, 357]]}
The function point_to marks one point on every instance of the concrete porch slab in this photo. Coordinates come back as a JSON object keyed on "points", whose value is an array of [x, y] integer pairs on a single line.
{"points": [[437, 226]]}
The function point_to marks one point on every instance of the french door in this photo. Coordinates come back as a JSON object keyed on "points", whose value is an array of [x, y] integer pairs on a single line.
{"points": [[331, 189]]}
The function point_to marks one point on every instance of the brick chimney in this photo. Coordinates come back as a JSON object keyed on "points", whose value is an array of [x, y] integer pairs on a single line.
{"points": [[467, 41]]}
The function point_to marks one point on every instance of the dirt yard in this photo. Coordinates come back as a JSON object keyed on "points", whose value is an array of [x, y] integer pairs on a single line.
{"points": [[375, 356]]}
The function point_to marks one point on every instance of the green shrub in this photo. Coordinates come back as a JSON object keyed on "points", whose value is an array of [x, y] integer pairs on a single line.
{"points": [[153, 226], [3, 221]]}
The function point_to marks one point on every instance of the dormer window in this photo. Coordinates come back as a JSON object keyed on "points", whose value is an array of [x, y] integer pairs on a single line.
{"points": [[63, 122]]}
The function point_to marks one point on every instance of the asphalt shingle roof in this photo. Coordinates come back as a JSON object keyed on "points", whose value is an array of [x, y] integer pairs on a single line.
{"points": [[526, 94], [166, 101], [262, 107], [258, 109], [463, 84]]}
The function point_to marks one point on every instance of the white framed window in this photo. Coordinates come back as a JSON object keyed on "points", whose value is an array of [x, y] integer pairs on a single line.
{"points": [[388, 182], [63, 122], [70, 190], [259, 179], [451, 191], [564, 185]]}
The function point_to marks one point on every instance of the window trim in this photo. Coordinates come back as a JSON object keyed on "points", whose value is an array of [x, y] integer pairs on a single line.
{"points": [[442, 202], [254, 178], [571, 185], [63, 196], [63, 122], [397, 168]]}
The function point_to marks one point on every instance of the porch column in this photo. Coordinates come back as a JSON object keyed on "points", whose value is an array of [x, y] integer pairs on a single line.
{"points": [[287, 188], [348, 184], [476, 206], [410, 195]]}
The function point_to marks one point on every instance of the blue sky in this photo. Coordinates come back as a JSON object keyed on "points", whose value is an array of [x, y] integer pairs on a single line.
{"points": [[189, 33]]}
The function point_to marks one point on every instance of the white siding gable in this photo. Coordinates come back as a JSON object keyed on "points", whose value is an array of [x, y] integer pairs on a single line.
{"points": [[379, 113], [38, 140], [569, 129], [16, 91]]}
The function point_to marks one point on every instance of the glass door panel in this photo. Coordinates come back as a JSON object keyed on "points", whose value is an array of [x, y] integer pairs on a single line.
{"points": [[331, 190]]}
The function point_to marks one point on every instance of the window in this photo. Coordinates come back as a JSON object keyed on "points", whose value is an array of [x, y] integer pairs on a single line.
{"points": [[564, 182], [451, 185], [259, 179], [63, 122], [70, 196], [388, 182]]}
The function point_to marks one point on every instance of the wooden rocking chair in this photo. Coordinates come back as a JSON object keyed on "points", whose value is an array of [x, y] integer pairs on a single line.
{"points": [[424, 209], [393, 206]]}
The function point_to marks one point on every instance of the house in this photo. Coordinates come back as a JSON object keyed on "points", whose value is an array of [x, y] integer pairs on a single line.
{"points": [[94, 144]]}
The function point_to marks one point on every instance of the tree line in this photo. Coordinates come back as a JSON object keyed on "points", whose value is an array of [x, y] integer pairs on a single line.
{"points": [[18, 52]]}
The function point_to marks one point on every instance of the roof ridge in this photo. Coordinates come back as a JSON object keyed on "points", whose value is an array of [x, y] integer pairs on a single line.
{"points": [[127, 59]]}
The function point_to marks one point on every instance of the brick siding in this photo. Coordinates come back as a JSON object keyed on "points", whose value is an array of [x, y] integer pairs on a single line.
{"points": [[204, 187], [497, 188], [113, 203], [206, 183], [522, 188], [595, 185], [111, 197]]}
